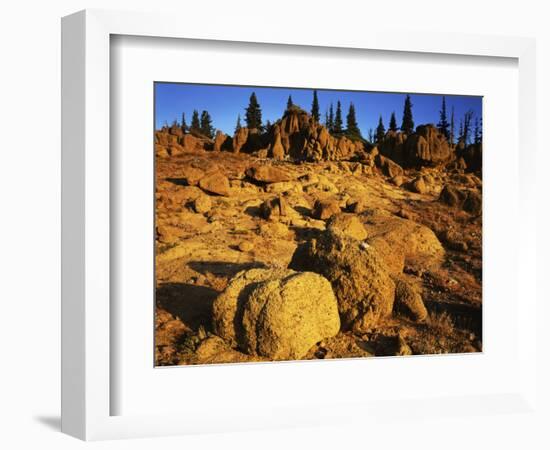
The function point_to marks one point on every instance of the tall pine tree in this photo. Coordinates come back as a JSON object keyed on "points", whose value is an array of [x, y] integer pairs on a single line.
{"points": [[407, 125], [393, 122], [289, 103], [183, 123], [330, 124], [315, 107], [477, 132], [238, 126], [452, 130], [380, 130], [195, 123], [443, 124], [337, 125], [206, 125], [466, 131], [253, 115], [352, 129]]}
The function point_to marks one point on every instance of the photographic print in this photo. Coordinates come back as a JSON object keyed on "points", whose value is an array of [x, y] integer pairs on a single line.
{"points": [[306, 224]]}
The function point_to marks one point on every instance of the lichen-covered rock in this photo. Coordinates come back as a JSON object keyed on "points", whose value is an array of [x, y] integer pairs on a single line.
{"points": [[349, 225], [408, 301], [277, 313], [360, 280], [284, 317]]}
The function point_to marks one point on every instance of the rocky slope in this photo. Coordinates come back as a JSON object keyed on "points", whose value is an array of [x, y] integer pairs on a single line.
{"points": [[295, 244]]}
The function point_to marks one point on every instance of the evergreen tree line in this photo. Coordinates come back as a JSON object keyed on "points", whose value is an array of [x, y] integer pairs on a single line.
{"points": [[199, 124], [468, 132]]}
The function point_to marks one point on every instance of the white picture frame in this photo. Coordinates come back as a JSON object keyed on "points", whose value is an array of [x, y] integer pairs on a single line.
{"points": [[86, 248]]}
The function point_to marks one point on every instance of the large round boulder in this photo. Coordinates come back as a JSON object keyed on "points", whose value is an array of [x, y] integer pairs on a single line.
{"points": [[276, 313], [360, 280]]}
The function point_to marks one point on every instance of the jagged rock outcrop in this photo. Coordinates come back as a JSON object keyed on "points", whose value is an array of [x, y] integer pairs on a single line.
{"points": [[219, 140], [426, 147], [472, 156], [239, 139]]}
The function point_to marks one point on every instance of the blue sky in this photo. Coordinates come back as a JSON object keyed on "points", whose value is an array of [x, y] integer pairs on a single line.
{"points": [[224, 103]]}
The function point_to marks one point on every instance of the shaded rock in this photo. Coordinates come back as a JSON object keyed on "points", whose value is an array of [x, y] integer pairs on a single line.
{"points": [[359, 277], [452, 196], [239, 139], [356, 206], [389, 167], [347, 224], [274, 208], [216, 183], [408, 302], [268, 174], [473, 203], [419, 185], [428, 146], [161, 151], [398, 180], [324, 209], [276, 149]]}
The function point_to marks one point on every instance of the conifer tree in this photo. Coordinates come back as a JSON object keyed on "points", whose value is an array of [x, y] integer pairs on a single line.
{"points": [[352, 129], [337, 125], [477, 132], [289, 103], [268, 126], [407, 125], [461, 131], [326, 118], [452, 130], [253, 113], [380, 130], [466, 131], [238, 126], [443, 124], [183, 123], [195, 122], [330, 124], [393, 122], [315, 107], [371, 135], [206, 125]]}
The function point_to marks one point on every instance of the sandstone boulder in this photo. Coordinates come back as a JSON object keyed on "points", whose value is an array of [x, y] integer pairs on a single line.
{"points": [[408, 301], [325, 208], [389, 167], [192, 175], [274, 208], [202, 204], [347, 224], [268, 174], [361, 282], [284, 317], [215, 183], [276, 313]]}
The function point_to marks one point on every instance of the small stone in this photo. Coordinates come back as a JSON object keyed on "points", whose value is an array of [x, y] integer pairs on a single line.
{"points": [[245, 246], [202, 204]]}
